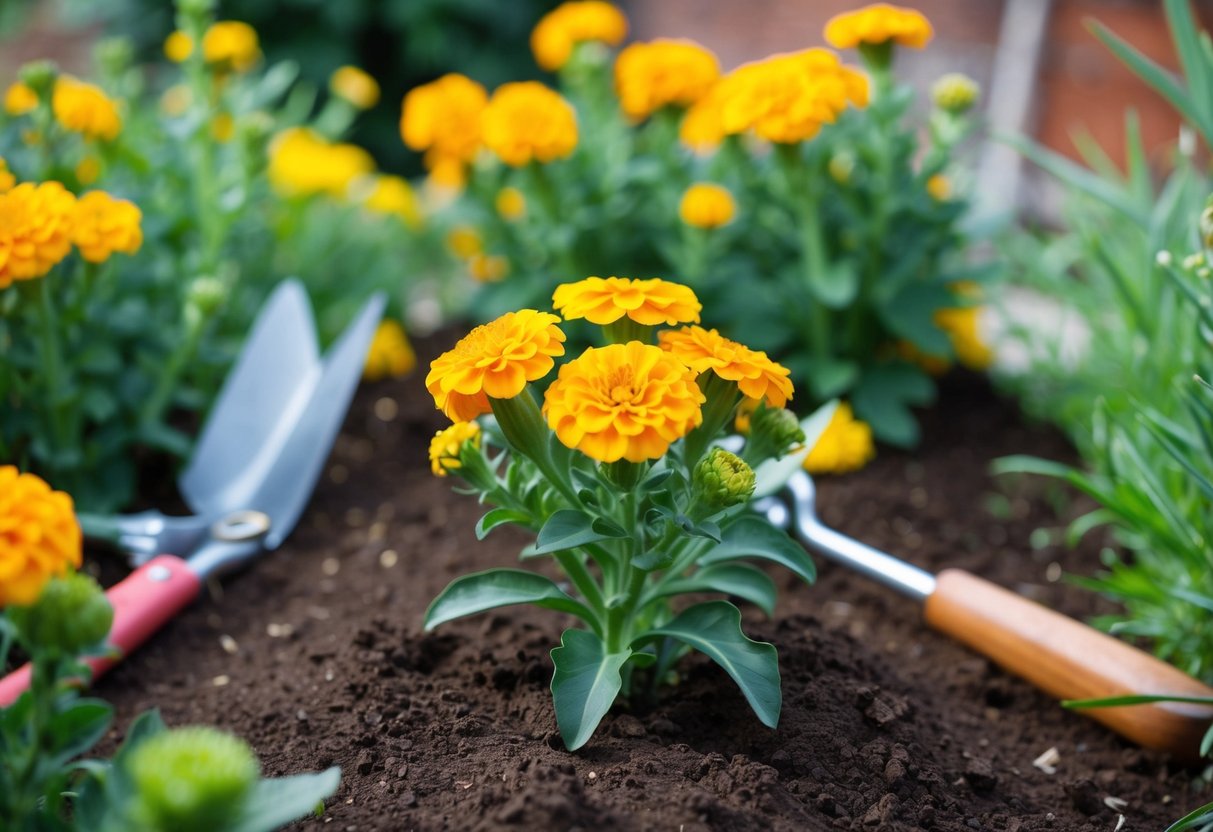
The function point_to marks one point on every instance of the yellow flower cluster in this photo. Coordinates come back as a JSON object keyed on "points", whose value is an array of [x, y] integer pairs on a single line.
{"points": [[705, 205], [447, 444], [442, 120], [303, 163], [226, 45], [393, 195], [845, 445], [102, 225], [35, 230], [560, 30], [19, 99], [756, 375], [647, 302], [39, 536], [355, 86], [877, 24], [83, 108], [526, 121], [663, 73], [390, 354]]}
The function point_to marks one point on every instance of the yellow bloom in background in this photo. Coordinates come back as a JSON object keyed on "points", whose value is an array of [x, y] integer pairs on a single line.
{"points": [[488, 268], [223, 127], [355, 86], [231, 44], [394, 195], [845, 445], [560, 30], [939, 187], [705, 205], [178, 46], [19, 99], [955, 93], [442, 120], [390, 354], [83, 108], [447, 444], [526, 121], [702, 128], [962, 326], [936, 365], [876, 24], [662, 73], [35, 230], [494, 360], [511, 204], [87, 170], [757, 376], [7, 180], [102, 225], [464, 242], [303, 163], [625, 401], [647, 302], [745, 413], [39, 536]]}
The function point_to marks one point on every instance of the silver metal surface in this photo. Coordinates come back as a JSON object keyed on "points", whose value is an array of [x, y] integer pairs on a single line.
{"points": [[886, 569], [241, 525]]}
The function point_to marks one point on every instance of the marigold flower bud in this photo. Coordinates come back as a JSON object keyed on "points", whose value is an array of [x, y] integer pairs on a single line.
{"points": [[773, 432], [39, 76], [206, 294], [705, 205], [447, 446], [71, 615], [178, 46], [231, 44], [841, 166], [722, 479], [955, 93], [114, 55], [193, 779], [355, 86]]}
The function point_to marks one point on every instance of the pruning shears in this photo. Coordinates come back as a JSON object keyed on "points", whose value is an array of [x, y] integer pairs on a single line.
{"points": [[250, 476]]}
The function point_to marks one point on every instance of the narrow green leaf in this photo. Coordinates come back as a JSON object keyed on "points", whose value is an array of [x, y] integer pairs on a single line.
{"points": [[738, 579], [494, 588], [277, 801], [753, 537], [584, 684], [570, 528], [1133, 699], [499, 517], [1190, 820], [1185, 32], [714, 629], [1077, 177]]}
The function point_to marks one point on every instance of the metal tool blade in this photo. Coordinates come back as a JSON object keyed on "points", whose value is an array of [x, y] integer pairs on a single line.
{"points": [[258, 401]]}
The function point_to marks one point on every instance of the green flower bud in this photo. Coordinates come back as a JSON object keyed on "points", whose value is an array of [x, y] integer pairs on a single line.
{"points": [[114, 55], [70, 616], [40, 77], [776, 430], [722, 479], [841, 166], [205, 294], [192, 779], [955, 93]]}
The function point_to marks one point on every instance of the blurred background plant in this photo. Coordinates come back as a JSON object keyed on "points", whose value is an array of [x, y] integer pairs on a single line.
{"points": [[1133, 271]]}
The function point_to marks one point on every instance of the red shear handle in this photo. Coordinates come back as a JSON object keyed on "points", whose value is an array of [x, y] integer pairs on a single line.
{"points": [[143, 603]]}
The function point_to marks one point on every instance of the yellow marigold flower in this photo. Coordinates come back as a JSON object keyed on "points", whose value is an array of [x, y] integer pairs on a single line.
{"points": [[39, 536], [393, 195], [464, 242], [845, 445], [939, 187], [355, 86], [876, 24], [35, 230], [20, 99], [488, 268], [511, 204], [83, 108], [757, 376], [103, 225], [705, 205], [494, 360], [955, 92], [231, 44], [7, 180], [390, 354], [442, 119], [178, 46], [647, 302], [303, 163], [560, 30], [625, 401], [702, 128], [662, 73], [87, 170], [525, 121], [963, 330], [447, 444]]}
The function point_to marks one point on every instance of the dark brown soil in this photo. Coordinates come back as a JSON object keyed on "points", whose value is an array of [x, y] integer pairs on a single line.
{"points": [[316, 655]]}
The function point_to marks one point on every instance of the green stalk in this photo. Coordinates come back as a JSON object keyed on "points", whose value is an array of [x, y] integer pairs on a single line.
{"points": [[51, 359], [156, 404], [805, 204]]}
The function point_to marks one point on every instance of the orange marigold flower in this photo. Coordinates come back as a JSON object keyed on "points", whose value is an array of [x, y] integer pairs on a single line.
{"points": [[20, 99], [560, 30], [178, 46], [7, 180], [879, 23], [303, 163], [661, 73], [103, 225], [390, 354], [447, 444], [394, 195], [625, 401], [494, 360], [757, 376], [83, 108], [39, 536], [526, 121], [705, 205], [962, 326], [647, 302], [231, 44], [355, 86], [845, 445], [702, 128], [35, 230], [442, 119]]}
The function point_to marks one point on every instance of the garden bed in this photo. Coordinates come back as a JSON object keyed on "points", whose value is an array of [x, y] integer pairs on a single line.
{"points": [[316, 655]]}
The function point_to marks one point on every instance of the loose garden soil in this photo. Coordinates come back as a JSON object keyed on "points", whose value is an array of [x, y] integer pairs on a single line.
{"points": [[316, 655]]}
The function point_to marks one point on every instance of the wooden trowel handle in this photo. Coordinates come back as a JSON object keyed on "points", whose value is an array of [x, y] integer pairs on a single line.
{"points": [[1069, 660]]}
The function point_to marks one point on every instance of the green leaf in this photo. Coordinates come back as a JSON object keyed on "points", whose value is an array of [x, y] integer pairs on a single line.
{"points": [[499, 517], [584, 685], [494, 588], [829, 377], [753, 537], [883, 399], [738, 579], [835, 285], [714, 629], [570, 528], [78, 729], [277, 801], [910, 314], [1190, 820]]}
